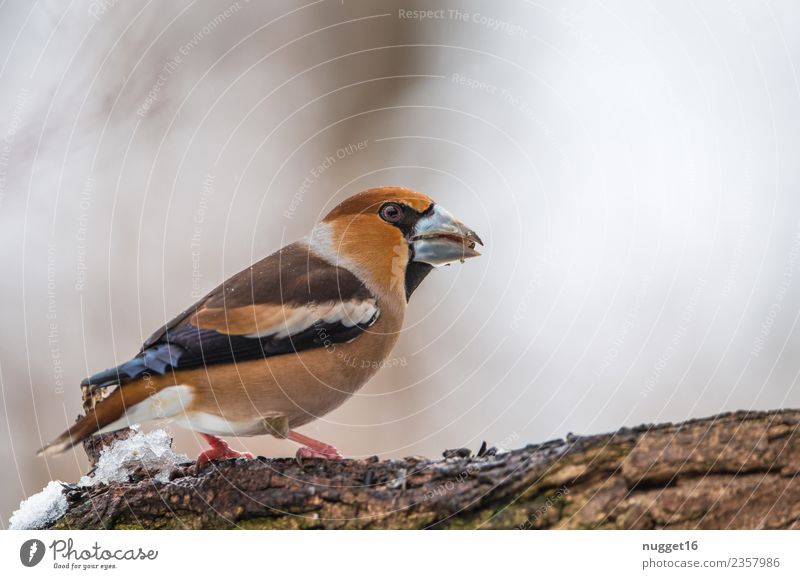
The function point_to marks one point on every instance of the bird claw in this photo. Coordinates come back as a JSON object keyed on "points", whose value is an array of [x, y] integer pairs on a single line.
{"points": [[219, 451], [215, 454], [326, 453], [313, 448]]}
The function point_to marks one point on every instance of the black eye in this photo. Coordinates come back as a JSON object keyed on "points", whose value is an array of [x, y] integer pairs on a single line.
{"points": [[391, 212]]}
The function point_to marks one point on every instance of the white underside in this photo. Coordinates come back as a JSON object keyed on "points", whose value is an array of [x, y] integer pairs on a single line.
{"points": [[170, 405], [217, 425]]}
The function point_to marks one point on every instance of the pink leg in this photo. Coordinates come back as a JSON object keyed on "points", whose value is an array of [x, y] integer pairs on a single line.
{"points": [[313, 448], [219, 450]]}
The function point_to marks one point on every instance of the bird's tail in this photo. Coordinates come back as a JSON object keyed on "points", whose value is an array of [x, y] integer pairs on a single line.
{"points": [[106, 416]]}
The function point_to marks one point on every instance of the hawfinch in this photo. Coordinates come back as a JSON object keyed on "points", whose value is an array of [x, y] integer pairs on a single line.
{"points": [[290, 338]]}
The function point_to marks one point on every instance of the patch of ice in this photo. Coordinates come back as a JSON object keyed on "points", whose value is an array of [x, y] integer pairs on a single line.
{"points": [[41, 509], [152, 451]]}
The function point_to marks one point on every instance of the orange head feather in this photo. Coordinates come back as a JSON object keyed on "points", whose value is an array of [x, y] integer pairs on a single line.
{"points": [[369, 201], [375, 233], [369, 245]]}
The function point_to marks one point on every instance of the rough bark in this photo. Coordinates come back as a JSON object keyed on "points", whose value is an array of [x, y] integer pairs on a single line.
{"points": [[735, 470]]}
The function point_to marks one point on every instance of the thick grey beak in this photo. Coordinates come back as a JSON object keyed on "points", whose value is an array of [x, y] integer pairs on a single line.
{"points": [[440, 238]]}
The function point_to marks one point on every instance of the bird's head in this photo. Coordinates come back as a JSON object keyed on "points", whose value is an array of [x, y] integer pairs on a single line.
{"points": [[392, 237]]}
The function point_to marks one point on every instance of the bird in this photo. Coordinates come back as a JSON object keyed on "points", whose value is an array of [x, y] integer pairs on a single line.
{"points": [[290, 338]]}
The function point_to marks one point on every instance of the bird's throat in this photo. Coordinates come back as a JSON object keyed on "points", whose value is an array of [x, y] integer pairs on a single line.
{"points": [[416, 271]]}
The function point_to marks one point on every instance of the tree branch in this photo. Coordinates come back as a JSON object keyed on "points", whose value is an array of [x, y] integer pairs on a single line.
{"points": [[730, 471]]}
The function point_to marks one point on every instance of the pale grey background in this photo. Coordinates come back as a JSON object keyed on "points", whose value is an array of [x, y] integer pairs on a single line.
{"points": [[632, 166]]}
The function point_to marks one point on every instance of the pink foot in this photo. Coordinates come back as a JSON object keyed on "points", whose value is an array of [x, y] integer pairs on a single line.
{"points": [[313, 448], [219, 450]]}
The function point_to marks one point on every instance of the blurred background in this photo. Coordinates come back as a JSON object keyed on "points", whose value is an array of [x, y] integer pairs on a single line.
{"points": [[632, 167]]}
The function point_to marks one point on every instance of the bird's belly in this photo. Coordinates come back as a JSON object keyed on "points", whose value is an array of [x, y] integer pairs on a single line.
{"points": [[234, 400], [209, 423]]}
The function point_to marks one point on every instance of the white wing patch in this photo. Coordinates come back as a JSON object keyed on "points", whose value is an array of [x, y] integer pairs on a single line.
{"points": [[349, 313]]}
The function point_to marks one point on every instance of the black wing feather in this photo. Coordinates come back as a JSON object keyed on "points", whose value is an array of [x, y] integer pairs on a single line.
{"points": [[292, 276]]}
